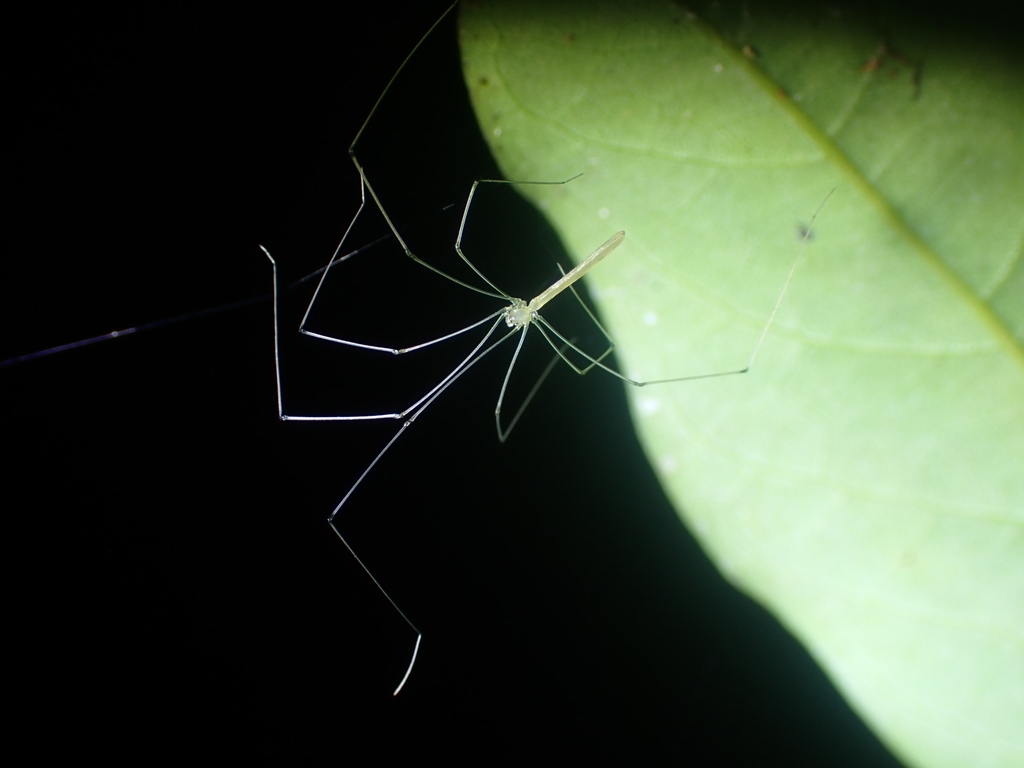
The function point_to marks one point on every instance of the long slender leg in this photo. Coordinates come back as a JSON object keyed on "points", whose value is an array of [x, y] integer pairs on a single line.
{"points": [[504, 385], [504, 433], [465, 215], [404, 350], [597, 323], [494, 316], [366, 186], [474, 357], [365, 182], [545, 328]]}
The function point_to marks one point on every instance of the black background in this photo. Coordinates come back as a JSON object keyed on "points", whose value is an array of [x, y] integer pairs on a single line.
{"points": [[173, 588]]}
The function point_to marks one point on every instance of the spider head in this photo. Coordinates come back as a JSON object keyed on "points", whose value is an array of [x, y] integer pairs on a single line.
{"points": [[518, 314]]}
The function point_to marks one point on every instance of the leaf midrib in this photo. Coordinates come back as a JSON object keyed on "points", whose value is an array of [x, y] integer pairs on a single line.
{"points": [[996, 326]]}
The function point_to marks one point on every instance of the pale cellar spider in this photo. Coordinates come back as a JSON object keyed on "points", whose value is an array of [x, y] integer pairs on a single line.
{"points": [[511, 317]]}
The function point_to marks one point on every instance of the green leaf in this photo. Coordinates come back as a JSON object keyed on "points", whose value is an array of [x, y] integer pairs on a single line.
{"points": [[865, 481]]}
